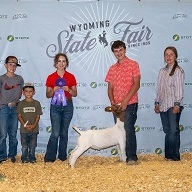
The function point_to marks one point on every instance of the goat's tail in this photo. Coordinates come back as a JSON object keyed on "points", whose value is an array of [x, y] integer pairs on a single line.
{"points": [[77, 130]]}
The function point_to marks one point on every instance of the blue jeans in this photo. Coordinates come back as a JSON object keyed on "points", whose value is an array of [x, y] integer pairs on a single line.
{"points": [[170, 124], [129, 124], [28, 143], [8, 126], [60, 120]]}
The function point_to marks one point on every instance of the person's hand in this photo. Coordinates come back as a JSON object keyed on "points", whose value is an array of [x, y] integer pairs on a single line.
{"points": [[66, 88], [123, 105], [157, 109], [176, 109], [56, 88]]}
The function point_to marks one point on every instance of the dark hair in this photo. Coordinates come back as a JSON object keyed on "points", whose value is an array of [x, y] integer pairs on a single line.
{"points": [[29, 87], [175, 63], [117, 44], [57, 58]]}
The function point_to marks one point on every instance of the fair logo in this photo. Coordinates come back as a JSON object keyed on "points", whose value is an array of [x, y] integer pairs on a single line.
{"points": [[90, 35]]}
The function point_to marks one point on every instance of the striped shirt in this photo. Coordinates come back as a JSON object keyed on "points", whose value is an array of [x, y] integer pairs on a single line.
{"points": [[170, 89]]}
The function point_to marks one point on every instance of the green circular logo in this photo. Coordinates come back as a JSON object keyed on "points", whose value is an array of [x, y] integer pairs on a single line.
{"points": [[10, 38], [176, 37], [48, 129], [93, 127], [137, 128], [93, 85], [69, 151], [158, 151], [114, 151], [181, 128], [2, 177]]}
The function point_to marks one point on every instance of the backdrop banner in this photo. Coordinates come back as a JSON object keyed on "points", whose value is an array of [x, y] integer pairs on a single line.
{"points": [[35, 31]]}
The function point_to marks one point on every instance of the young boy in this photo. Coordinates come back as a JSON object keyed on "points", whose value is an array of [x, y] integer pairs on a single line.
{"points": [[29, 111], [11, 86]]}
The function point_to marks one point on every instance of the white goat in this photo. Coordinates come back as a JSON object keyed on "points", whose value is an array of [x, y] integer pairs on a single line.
{"points": [[101, 139]]}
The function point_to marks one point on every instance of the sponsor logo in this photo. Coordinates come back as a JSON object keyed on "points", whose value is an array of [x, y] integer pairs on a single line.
{"points": [[187, 105], [20, 16], [181, 128], [182, 37], [188, 83], [3, 16], [102, 106], [114, 151], [93, 85], [11, 38], [180, 16], [82, 107], [144, 106], [158, 151], [182, 60], [147, 128], [176, 37], [81, 84], [137, 128], [147, 84], [186, 149], [144, 151], [48, 129], [94, 127]]}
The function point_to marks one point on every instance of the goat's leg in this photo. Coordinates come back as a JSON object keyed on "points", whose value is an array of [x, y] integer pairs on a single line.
{"points": [[121, 151], [75, 154]]}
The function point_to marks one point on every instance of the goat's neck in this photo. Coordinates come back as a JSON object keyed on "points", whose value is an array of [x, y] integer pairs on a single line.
{"points": [[119, 122]]}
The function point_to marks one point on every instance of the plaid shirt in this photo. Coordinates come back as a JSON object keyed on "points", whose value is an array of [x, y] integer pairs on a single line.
{"points": [[122, 77]]}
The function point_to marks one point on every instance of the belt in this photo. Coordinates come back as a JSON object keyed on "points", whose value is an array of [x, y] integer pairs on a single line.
{"points": [[69, 99], [12, 104]]}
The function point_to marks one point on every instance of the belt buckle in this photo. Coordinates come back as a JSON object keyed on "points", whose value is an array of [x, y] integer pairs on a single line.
{"points": [[11, 104]]}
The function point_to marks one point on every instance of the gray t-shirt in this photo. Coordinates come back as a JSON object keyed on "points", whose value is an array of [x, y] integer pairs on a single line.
{"points": [[29, 112], [10, 89]]}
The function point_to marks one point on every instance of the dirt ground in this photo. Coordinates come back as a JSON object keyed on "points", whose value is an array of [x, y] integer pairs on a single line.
{"points": [[98, 174]]}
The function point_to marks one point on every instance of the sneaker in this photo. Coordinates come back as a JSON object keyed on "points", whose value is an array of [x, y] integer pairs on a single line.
{"points": [[132, 162], [13, 159]]}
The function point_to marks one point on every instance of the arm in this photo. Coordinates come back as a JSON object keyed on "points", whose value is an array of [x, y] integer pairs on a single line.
{"points": [[110, 93], [50, 91], [72, 90], [179, 90], [133, 90], [21, 119]]}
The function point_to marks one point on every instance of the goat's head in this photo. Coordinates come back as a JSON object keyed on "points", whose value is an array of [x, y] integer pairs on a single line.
{"points": [[116, 109]]}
